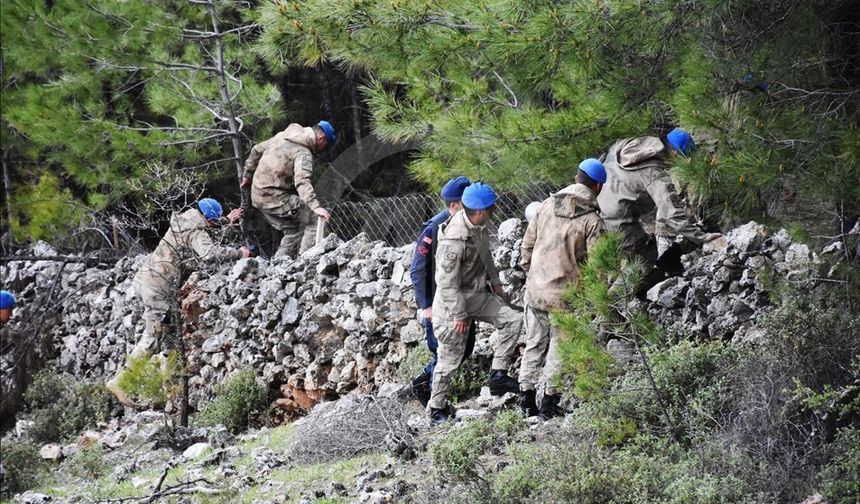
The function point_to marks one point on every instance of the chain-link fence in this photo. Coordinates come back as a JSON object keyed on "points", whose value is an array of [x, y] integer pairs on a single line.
{"points": [[397, 220]]}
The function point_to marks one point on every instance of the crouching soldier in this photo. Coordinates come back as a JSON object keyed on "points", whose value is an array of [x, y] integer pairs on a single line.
{"points": [[157, 282], [557, 240], [280, 172], [464, 269]]}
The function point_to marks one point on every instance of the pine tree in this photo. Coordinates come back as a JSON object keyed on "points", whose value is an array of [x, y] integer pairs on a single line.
{"points": [[508, 91], [94, 92]]}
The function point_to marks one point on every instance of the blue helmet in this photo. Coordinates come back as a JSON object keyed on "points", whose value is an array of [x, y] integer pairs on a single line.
{"points": [[479, 196], [594, 169], [210, 209], [328, 129], [453, 189], [7, 300], [681, 141]]}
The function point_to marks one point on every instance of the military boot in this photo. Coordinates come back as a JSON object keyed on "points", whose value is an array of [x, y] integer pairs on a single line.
{"points": [[549, 407], [440, 416], [421, 388], [526, 402], [501, 383]]}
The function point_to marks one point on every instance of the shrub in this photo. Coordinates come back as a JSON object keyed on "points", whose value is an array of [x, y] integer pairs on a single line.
{"points": [[89, 463], [60, 409], [151, 379], [22, 464], [840, 477], [416, 358], [236, 401], [468, 379], [457, 454]]}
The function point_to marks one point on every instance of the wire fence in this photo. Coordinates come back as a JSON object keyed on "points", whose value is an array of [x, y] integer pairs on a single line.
{"points": [[397, 220]]}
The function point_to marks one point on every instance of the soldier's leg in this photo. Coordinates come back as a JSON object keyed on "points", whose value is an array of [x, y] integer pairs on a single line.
{"points": [[287, 221], [508, 322], [290, 243], [450, 355], [537, 339], [553, 361], [421, 384]]}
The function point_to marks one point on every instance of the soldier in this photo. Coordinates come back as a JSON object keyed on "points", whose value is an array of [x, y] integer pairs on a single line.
{"points": [[557, 240], [158, 280], [462, 295], [282, 188], [638, 183], [423, 281], [7, 305]]}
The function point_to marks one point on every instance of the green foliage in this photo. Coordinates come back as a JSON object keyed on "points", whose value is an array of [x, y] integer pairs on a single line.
{"points": [[457, 454], [468, 379], [416, 358], [840, 477], [93, 92], [22, 464], [491, 87], [152, 379], [61, 408], [89, 463], [235, 403]]}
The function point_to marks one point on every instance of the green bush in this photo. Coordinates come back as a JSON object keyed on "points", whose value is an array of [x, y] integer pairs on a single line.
{"points": [[89, 463], [416, 358], [457, 453], [236, 401], [840, 478], [22, 464], [60, 408], [152, 380], [468, 379]]}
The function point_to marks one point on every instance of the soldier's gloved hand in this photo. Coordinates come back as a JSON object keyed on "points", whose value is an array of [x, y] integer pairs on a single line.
{"points": [[322, 212], [715, 242], [427, 313], [460, 326], [235, 215]]}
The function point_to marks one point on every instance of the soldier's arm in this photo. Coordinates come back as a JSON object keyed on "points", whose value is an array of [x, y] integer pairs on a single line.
{"points": [[254, 157], [594, 231], [206, 249], [449, 258], [528, 245], [303, 177], [670, 209], [418, 271]]}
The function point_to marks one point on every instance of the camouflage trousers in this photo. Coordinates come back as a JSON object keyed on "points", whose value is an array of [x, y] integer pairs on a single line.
{"points": [[155, 306], [542, 339], [298, 234], [452, 345]]}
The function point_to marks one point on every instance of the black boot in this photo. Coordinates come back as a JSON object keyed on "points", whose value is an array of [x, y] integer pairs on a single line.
{"points": [[501, 383], [526, 402], [439, 416], [421, 388], [549, 407]]}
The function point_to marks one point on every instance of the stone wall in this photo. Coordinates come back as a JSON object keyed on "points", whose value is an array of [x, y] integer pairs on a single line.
{"points": [[339, 318]]}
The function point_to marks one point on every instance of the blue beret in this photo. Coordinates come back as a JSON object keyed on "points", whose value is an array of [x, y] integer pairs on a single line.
{"points": [[328, 129], [681, 141], [453, 189], [479, 196], [7, 300], [210, 209], [594, 169]]}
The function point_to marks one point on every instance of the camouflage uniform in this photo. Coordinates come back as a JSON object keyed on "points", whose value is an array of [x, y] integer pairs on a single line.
{"points": [[282, 188], [157, 281], [464, 268], [637, 182], [566, 226]]}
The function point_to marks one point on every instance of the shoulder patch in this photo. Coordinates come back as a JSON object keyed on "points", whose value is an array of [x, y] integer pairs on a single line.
{"points": [[423, 250], [428, 240], [450, 256]]}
